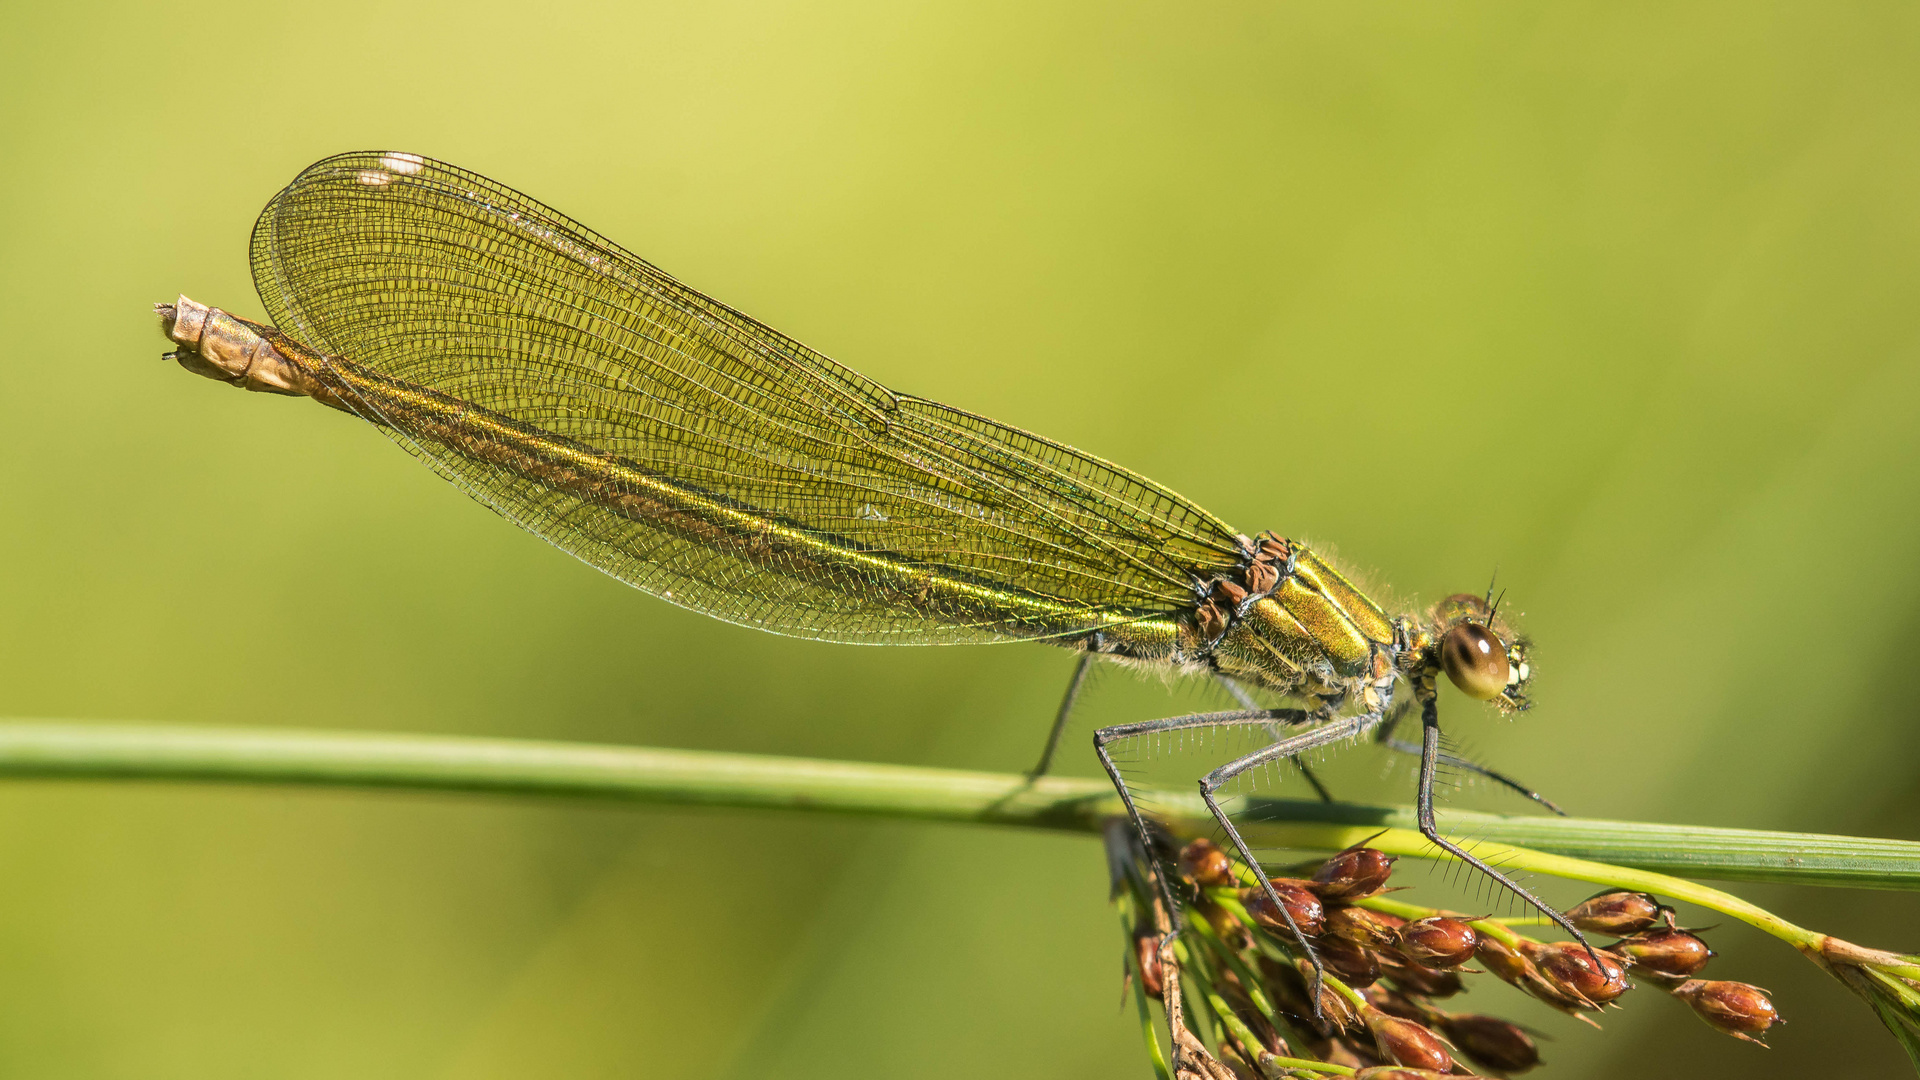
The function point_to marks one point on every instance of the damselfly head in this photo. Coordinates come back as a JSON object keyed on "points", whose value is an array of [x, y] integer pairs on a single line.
{"points": [[1480, 653]]}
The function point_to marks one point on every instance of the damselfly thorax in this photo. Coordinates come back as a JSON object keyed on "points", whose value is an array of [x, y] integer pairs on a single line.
{"points": [[693, 452]]}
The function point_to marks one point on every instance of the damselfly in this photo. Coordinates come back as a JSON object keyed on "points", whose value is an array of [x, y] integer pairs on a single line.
{"points": [[690, 451]]}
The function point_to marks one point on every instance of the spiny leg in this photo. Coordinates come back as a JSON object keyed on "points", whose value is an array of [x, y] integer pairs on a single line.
{"points": [[1333, 731], [1106, 736], [1240, 694], [1060, 718], [1387, 739], [1429, 758]]}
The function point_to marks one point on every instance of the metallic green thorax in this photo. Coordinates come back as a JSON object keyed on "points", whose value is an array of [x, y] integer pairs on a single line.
{"points": [[1316, 634], [1312, 633]]}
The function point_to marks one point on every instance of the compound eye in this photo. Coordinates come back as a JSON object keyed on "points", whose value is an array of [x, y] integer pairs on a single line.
{"points": [[1476, 660]]}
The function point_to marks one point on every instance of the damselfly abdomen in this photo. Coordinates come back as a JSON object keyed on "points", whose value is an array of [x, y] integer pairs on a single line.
{"points": [[697, 454]]}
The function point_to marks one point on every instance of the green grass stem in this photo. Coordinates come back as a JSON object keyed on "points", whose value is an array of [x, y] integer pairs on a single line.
{"points": [[1565, 847], [1637, 855]]}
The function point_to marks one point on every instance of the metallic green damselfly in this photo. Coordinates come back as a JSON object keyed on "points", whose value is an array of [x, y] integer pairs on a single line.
{"points": [[692, 452]]}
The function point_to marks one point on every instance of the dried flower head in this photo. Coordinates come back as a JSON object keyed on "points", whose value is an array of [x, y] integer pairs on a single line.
{"points": [[1362, 985], [1353, 874], [1618, 914], [1589, 976], [1302, 906], [1203, 863], [1362, 926], [1436, 942], [1491, 1042], [1420, 979], [1407, 1042], [1676, 953], [1357, 965], [1738, 1009], [1146, 953]]}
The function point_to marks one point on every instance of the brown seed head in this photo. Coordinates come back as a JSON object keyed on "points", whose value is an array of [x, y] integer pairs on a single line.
{"points": [[1420, 979], [1284, 986], [1394, 1003], [1354, 874], [1203, 863], [1491, 1042], [1357, 965], [1496, 956], [1334, 1006], [1665, 952], [1301, 904], [1287, 985], [1735, 1008], [1361, 926], [1437, 942], [1153, 978], [1408, 1043], [1270, 1040], [1616, 913], [1569, 968]]}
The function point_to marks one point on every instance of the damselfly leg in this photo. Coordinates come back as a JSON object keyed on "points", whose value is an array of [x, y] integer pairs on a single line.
{"points": [[1245, 699], [1071, 697], [1333, 731], [1423, 809], [1060, 719]]}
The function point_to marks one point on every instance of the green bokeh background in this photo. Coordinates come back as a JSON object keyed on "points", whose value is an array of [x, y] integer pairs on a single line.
{"points": [[1618, 299]]}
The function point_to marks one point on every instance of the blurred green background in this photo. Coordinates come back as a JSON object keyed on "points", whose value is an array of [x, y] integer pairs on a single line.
{"points": [[1618, 299]]}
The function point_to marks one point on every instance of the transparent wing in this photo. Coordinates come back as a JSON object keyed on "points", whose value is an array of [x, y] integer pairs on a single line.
{"points": [[438, 277]]}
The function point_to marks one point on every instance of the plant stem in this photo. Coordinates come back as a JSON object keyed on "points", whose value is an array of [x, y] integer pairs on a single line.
{"points": [[1559, 846]]}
